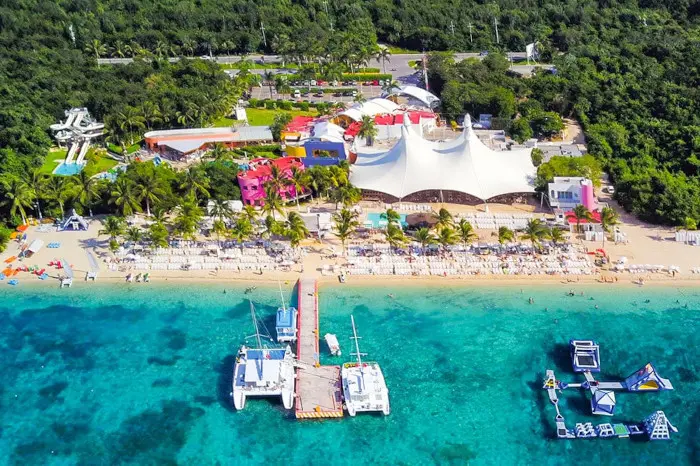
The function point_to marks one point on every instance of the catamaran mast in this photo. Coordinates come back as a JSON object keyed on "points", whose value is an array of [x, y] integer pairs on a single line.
{"points": [[255, 324], [284, 308], [357, 351]]}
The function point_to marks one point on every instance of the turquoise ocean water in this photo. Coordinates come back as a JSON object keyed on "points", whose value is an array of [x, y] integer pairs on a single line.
{"points": [[140, 374]]}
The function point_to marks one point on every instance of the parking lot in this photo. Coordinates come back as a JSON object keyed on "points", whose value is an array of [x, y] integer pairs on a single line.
{"points": [[367, 92]]}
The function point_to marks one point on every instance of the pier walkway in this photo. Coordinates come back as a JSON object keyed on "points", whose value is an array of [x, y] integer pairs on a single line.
{"points": [[318, 388]]}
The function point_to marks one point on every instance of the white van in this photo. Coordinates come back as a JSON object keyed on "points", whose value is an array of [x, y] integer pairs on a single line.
{"points": [[296, 94]]}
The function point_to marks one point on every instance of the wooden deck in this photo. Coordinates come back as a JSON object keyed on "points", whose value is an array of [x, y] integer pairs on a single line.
{"points": [[318, 388]]}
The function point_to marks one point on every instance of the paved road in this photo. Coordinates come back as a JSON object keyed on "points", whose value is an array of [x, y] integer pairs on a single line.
{"points": [[398, 65]]}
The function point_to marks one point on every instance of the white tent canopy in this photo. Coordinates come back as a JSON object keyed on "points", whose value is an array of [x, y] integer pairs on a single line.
{"points": [[370, 107], [328, 131], [463, 164], [428, 98]]}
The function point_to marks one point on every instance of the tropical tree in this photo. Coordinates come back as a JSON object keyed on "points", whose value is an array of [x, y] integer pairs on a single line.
{"points": [[443, 218], [346, 195], [195, 181], [119, 49], [96, 48], [189, 214], [18, 195], [273, 203], [345, 224], [5, 235], [158, 235], [581, 213], [269, 79], [113, 227], [390, 85], [447, 236], [220, 209], [391, 216], [394, 236], [466, 232], [608, 218], [505, 235], [294, 229], [425, 237], [151, 113], [250, 213], [149, 189], [219, 153], [556, 235], [36, 182], [270, 227], [219, 228], [299, 179], [359, 98], [383, 55], [535, 231], [58, 186], [368, 129], [241, 231], [124, 195], [86, 189], [133, 234], [131, 119], [277, 181]]}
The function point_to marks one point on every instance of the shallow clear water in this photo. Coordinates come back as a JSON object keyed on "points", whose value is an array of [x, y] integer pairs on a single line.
{"points": [[64, 169], [377, 221], [140, 374]]}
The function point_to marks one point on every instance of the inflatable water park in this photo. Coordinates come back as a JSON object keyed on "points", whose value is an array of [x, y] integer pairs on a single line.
{"points": [[585, 359]]}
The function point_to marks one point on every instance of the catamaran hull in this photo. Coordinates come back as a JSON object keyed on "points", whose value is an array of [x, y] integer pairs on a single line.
{"points": [[238, 400]]}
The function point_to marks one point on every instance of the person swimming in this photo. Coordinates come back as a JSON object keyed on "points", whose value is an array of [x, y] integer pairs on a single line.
{"points": [[531, 301]]}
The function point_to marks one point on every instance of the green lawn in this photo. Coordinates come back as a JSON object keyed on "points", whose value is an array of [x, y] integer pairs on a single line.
{"points": [[52, 160], [262, 116], [258, 66], [398, 50]]}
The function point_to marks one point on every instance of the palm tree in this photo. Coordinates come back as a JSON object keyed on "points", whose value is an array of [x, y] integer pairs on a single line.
{"points": [[368, 129], [345, 225], [277, 180], [219, 228], [294, 229], [300, 180], [151, 113], [220, 209], [581, 213], [123, 194], [17, 195], [505, 235], [250, 213], [113, 226], [160, 216], [466, 233], [119, 49], [87, 189], [195, 181], [36, 182], [58, 187], [187, 45], [390, 85], [158, 235], [425, 237], [241, 231], [219, 153], [391, 216], [608, 217], [383, 55], [133, 234], [273, 204], [535, 231], [556, 235], [130, 119], [189, 214], [270, 227], [443, 218], [96, 48], [394, 236], [269, 78], [447, 237], [149, 189], [346, 195]]}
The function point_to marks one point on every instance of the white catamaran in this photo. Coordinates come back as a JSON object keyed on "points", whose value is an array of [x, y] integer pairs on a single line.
{"points": [[364, 388], [263, 371]]}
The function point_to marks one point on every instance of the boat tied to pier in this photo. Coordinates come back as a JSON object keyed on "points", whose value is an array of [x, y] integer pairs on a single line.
{"points": [[286, 322], [364, 388], [263, 371]]}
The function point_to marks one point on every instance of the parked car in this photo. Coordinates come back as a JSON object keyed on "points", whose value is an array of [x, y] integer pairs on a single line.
{"points": [[205, 57], [318, 94], [353, 93], [337, 94], [347, 93], [321, 83], [483, 53], [296, 94], [313, 83], [375, 83], [305, 94]]}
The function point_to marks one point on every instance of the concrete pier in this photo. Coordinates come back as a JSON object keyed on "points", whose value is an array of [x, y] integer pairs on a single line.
{"points": [[318, 388]]}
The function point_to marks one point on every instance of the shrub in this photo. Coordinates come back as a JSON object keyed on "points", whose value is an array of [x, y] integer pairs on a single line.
{"points": [[284, 105], [304, 106], [253, 102], [270, 104]]}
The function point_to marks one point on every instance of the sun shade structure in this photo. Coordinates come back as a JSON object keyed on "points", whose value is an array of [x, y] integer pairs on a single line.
{"points": [[427, 98], [463, 164], [369, 108]]}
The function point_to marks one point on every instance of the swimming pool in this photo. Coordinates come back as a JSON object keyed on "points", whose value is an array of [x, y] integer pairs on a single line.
{"points": [[70, 169], [379, 222]]}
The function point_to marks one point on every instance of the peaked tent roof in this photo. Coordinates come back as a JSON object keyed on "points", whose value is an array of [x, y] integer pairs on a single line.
{"points": [[428, 98], [370, 107], [463, 164]]}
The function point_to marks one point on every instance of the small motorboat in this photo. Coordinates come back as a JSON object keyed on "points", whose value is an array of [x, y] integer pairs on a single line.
{"points": [[250, 290], [332, 342]]}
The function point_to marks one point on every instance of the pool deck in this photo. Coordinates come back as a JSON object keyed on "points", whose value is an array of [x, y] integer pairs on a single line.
{"points": [[318, 388]]}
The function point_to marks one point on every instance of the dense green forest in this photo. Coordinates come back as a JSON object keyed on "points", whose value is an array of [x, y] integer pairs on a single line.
{"points": [[628, 70]]}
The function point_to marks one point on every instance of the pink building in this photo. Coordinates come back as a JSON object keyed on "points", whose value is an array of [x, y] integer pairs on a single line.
{"points": [[252, 181]]}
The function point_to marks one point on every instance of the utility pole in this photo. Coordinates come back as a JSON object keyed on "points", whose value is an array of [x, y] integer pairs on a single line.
{"points": [[262, 28], [471, 39], [495, 23], [452, 27]]}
